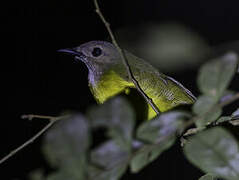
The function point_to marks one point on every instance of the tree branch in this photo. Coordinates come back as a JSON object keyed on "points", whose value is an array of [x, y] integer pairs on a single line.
{"points": [[124, 59], [32, 139]]}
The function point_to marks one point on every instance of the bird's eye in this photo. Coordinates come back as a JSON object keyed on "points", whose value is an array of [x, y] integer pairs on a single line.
{"points": [[96, 52]]}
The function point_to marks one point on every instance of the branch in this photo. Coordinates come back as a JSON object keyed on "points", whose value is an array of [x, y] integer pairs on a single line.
{"points": [[230, 100], [124, 59], [51, 119]]}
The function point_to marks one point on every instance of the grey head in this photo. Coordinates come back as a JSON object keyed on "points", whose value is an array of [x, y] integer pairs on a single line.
{"points": [[98, 56], [95, 54]]}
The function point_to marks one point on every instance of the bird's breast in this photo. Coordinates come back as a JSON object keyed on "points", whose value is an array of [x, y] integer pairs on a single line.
{"points": [[109, 85]]}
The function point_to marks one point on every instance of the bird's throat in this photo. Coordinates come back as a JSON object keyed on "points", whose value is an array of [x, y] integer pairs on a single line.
{"points": [[107, 85]]}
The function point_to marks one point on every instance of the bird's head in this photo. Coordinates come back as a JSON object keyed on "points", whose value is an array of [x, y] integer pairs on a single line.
{"points": [[97, 55]]}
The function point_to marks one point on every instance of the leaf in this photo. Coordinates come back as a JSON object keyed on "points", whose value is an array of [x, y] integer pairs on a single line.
{"points": [[161, 126], [62, 175], [149, 153], [170, 47], [214, 151], [233, 119], [118, 116], [160, 131], [207, 110], [235, 122], [207, 177], [236, 113], [223, 119], [37, 175], [203, 104], [108, 162], [215, 76], [65, 146]]}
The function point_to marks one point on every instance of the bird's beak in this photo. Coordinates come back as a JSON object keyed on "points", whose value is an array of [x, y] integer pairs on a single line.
{"points": [[78, 55], [71, 51]]}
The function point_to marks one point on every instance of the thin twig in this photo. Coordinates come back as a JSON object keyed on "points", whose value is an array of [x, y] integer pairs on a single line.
{"points": [[124, 59], [32, 116], [52, 120], [230, 100]]}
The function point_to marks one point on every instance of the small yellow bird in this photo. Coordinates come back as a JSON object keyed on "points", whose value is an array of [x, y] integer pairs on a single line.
{"points": [[108, 76]]}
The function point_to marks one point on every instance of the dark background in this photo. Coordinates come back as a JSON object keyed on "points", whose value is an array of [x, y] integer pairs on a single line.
{"points": [[39, 80]]}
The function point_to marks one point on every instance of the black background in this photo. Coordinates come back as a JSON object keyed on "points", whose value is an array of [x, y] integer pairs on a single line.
{"points": [[39, 80]]}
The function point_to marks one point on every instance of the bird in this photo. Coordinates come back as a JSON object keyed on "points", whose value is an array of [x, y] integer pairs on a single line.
{"points": [[108, 76]]}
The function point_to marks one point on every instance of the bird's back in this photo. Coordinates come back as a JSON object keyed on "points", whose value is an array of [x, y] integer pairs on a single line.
{"points": [[165, 92]]}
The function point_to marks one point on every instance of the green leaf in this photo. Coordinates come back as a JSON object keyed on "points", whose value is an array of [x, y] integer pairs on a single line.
{"points": [[207, 177], [118, 116], [161, 126], [214, 151], [108, 162], [65, 146], [233, 119], [159, 131], [215, 76], [62, 175], [207, 110], [223, 119], [37, 175], [58, 176], [149, 153], [170, 47], [236, 113]]}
